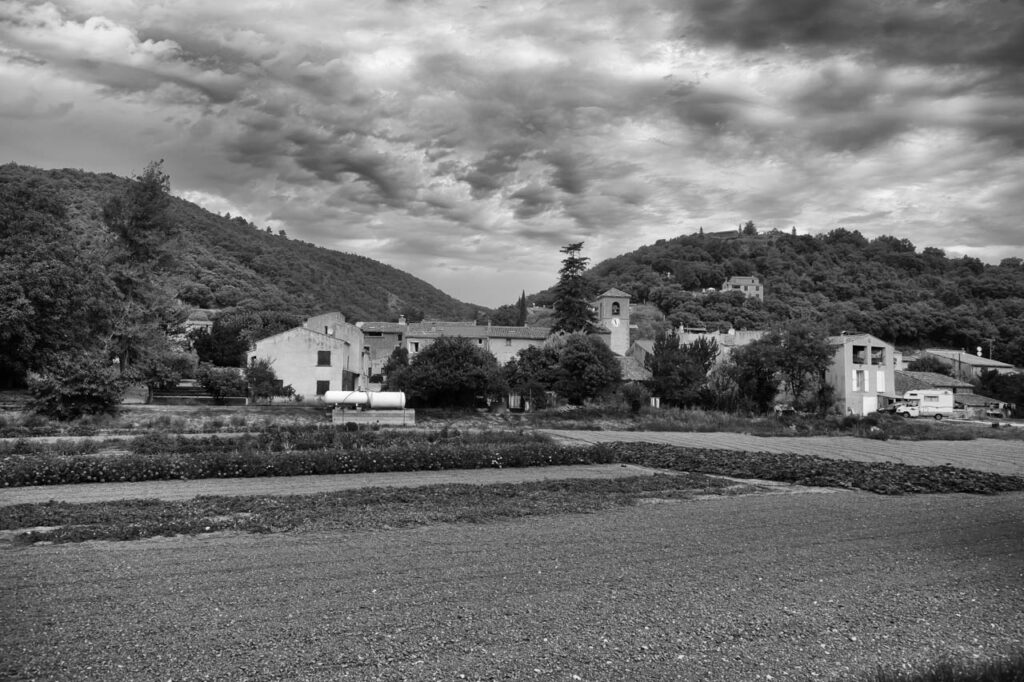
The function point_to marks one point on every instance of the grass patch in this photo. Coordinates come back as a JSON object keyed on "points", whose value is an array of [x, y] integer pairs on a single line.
{"points": [[1009, 669], [365, 509]]}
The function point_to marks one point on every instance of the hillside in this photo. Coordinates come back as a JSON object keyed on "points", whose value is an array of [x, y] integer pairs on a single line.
{"points": [[839, 280], [221, 262]]}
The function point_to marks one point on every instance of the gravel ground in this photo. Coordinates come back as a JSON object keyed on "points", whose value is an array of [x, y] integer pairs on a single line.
{"points": [[805, 587]]}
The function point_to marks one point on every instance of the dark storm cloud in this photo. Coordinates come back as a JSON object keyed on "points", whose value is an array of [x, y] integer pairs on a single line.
{"points": [[982, 32], [533, 200]]}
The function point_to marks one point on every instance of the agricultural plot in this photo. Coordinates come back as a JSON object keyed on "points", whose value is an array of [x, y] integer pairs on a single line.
{"points": [[825, 587], [996, 456]]}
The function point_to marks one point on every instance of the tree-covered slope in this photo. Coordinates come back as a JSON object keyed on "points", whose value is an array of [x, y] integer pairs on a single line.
{"points": [[839, 280], [220, 262]]}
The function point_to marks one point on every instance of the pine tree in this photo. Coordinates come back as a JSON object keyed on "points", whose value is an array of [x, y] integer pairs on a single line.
{"points": [[573, 293]]}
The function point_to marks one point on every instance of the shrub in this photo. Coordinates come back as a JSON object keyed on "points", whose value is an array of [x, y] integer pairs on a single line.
{"points": [[73, 387], [221, 382]]}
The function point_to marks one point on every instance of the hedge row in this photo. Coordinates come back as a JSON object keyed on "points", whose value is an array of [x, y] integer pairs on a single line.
{"points": [[247, 460]]}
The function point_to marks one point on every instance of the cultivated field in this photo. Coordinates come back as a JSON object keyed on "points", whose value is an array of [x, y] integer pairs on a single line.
{"points": [[806, 587], [983, 454]]}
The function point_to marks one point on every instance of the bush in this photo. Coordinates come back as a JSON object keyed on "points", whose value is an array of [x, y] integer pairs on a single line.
{"points": [[221, 382], [74, 387]]}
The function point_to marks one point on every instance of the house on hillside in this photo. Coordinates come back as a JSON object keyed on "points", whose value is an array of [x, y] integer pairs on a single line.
{"points": [[750, 287], [325, 354], [862, 373], [968, 366]]}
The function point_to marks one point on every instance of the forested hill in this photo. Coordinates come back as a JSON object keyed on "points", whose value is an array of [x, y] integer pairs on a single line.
{"points": [[840, 280], [222, 262]]}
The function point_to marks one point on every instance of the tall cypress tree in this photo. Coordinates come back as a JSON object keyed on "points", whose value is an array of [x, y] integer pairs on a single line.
{"points": [[521, 320]]}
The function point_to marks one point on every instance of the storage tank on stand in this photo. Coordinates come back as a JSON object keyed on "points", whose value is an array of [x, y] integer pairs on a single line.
{"points": [[369, 407]]}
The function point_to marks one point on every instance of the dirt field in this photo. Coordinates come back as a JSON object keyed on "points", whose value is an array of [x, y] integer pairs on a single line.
{"points": [[996, 456], [806, 587]]}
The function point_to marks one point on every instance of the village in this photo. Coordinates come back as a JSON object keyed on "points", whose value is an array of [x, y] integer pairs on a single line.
{"points": [[328, 354]]}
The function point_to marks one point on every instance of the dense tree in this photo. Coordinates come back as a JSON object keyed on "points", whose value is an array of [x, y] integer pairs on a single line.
{"points": [[679, 372], [1008, 388], [55, 294], [532, 373], [573, 293], [754, 369], [587, 368], [803, 358], [137, 217], [451, 372]]}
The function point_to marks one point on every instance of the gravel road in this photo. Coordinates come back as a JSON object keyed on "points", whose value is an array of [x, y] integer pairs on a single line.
{"points": [[984, 454], [796, 587]]}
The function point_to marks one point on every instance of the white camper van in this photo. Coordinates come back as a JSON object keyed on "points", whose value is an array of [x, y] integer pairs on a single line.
{"points": [[927, 403]]}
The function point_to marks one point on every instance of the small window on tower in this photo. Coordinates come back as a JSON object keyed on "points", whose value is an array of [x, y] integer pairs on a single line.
{"points": [[615, 308]]}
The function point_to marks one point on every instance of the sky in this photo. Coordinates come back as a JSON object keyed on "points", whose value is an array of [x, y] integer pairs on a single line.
{"points": [[466, 142]]}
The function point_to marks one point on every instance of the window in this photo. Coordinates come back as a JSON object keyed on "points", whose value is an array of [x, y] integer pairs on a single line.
{"points": [[415, 346], [877, 356], [323, 358], [322, 387], [615, 308], [508, 342], [860, 355], [880, 381], [375, 333], [859, 380]]}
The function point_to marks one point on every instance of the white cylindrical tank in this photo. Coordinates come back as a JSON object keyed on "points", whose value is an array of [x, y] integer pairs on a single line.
{"points": [[351, 398], [389, 400], [374, 400]]}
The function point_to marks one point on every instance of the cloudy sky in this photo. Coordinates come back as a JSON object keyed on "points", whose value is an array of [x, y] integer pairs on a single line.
{"points": [[465, 142]]}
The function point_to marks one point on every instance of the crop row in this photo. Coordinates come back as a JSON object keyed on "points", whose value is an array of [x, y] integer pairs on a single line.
{"points": [[246, 460]]}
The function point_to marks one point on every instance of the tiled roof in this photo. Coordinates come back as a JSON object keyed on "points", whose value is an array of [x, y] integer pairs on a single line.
{"points": [[616, 293], [518, 332], [391, 327], [975, 400], [966, 358], [646, 344], [633, 369], [429, 331], [910, 381], [433, 331]]}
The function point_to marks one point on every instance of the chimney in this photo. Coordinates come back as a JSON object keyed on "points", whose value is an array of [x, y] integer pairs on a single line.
{"points": [[401, 319]]}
